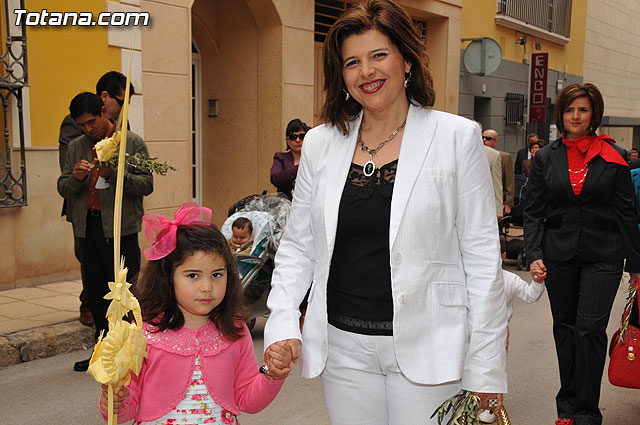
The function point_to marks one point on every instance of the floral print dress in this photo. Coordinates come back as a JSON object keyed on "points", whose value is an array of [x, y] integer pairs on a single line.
{"points": [[197, 407]]}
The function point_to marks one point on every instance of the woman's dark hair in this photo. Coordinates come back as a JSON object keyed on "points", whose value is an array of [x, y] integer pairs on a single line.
{"points": [[391, 20], [536, 143], [295, 126], [571, 93], [155, 291]]}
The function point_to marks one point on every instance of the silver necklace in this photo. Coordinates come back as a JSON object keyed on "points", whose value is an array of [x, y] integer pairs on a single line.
{"points": [[579, 171], [583, 179], [369, 166]]}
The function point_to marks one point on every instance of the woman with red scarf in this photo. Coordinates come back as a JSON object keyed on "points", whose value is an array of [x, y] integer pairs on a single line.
{"points": [[579, 227]]}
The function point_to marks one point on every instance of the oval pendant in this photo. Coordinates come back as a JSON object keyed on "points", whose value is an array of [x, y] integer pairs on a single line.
{"points": [[369, 168]]}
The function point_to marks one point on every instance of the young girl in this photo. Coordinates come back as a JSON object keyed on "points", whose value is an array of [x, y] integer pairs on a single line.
{"points": [[514, 287], [201, 366]]}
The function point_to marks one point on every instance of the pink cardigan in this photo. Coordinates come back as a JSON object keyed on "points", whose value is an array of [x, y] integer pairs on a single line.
{"points": [[229, 370]]}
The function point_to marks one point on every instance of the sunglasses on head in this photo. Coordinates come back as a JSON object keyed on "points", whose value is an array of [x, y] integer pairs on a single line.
{"points": [[293, 137], [119, 101], [487, 138]]}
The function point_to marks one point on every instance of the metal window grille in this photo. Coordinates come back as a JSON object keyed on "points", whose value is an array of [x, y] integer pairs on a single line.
{"points": [[514, 109], [328, 11], [13, 78], [551, 15]]}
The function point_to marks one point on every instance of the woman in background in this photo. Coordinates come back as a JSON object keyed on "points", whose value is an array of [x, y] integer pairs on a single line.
{"points": [[285, 164], [579, 227]]}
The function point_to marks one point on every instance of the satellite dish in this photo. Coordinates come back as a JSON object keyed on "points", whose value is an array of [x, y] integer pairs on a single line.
{"points": [[482, 56]]}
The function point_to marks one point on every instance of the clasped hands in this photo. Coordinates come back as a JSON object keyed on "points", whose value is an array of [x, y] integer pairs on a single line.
{"points": [[538, 271], [279, 357], [83, 167]]}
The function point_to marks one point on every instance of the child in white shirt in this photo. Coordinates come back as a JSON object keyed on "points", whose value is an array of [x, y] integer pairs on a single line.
{"points": [[514, 286]]}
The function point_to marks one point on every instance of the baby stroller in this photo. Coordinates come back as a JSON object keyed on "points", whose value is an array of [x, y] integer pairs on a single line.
{"points": [[511, 226], [268, 215]]}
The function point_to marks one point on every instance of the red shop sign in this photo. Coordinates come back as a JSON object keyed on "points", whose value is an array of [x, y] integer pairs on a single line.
{"points": [[538, 88]]}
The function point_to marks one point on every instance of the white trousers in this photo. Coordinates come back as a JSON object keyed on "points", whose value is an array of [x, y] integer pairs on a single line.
{"points": [[362, 384]]}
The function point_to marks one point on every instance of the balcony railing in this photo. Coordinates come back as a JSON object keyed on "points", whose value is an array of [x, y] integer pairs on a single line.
{"points": [[550, 15]]}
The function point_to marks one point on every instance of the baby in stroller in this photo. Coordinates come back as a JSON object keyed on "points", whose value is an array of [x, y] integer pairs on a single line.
{"points": [[265, 216], [241, 241]]}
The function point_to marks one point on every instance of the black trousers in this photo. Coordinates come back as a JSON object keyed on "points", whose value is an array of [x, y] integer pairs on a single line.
{"points": [[84, 294], [581, 296], [97, 267]]}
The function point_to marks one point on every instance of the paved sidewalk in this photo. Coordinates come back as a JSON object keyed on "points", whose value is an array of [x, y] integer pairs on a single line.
{"points": [[41, 321]]}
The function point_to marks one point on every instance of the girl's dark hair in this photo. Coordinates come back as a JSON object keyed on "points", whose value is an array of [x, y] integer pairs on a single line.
{"points": [[391, 20], [571, 93], [155, 291]]}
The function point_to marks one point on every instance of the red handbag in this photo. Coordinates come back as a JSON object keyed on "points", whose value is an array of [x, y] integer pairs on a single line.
{"points": [[624, 365]]}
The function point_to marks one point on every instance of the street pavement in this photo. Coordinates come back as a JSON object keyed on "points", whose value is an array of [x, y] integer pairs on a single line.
{"points": [[48, 391]]}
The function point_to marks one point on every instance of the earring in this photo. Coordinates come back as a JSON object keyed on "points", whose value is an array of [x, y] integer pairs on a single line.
{"points": [[407, 77], [346, 94]]}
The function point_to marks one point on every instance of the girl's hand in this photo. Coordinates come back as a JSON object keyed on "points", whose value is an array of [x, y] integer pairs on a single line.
{"points": [[118, 398], [279, 356], [538, 271]]}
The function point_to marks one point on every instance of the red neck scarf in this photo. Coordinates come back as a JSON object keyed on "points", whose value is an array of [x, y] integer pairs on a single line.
{"points": [[590, 146], [582, 150]]}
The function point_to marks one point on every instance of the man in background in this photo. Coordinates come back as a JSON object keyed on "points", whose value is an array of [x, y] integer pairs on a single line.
{"points": [[110, 88], [490, 139], [92, 188], [524, 153]]}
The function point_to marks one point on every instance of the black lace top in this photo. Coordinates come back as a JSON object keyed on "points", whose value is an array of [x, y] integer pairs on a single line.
{"points": [[359, 287]]}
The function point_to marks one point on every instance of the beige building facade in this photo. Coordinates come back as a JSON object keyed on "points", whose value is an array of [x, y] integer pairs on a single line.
{"points": [[216, 83], [259, 62], [612, 62]]}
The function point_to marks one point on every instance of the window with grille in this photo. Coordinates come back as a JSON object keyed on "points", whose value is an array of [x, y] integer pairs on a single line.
{"points": [[514, 109], [328, 11], [13, 82]]}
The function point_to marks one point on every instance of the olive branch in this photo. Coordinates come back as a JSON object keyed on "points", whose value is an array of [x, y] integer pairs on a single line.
{"points": [[465, 409], [145, 163]]}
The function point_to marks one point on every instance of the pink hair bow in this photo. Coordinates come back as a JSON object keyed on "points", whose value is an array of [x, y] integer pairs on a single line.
{"points": [[161, 232]]}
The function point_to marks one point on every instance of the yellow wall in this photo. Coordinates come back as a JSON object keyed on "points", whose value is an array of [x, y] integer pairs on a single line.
{"points": [[62, 62], [478, 21]]}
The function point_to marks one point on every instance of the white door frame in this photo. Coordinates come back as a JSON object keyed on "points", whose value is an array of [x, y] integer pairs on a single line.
{"points": [[196, 132]]}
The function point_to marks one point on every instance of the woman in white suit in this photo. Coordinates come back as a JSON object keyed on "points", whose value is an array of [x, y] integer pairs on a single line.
{"points": [[393, 226]]}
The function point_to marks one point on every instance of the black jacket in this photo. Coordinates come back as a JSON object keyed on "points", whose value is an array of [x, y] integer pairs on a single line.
{"points": [[521, 156], [599, 225]]}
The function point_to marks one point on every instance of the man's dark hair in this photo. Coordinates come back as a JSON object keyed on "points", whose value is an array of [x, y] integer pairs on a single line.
{"points": [[85, 103], [113, 82]]}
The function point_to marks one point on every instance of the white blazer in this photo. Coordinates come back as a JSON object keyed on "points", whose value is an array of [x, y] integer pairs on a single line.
{"points": [[449, 320]]}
